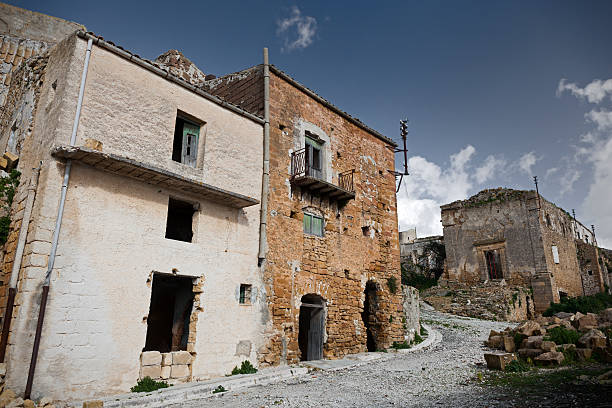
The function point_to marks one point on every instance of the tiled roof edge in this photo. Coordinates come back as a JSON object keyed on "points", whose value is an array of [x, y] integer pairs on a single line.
{"points": [[99, 41]]}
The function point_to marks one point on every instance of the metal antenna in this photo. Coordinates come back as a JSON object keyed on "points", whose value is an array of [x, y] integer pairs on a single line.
{"points": [[404, 134], [575, 226], [535, 180]]}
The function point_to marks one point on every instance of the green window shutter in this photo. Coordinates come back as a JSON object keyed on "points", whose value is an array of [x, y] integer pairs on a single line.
{"points": [[191, 135], [317, 226], [307, 223], [313, 143]]}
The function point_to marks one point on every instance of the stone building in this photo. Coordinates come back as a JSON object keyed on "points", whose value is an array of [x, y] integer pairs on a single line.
{"points": [[330, 259], [418, 251], [160, 185], [526, 241]]}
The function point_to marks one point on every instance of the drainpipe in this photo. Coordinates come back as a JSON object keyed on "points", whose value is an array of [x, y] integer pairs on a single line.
{"points": [[56, 232], [265, 181], [21, 241]]}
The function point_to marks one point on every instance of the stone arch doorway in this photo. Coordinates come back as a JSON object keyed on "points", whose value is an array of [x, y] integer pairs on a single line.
{"points": [[311, 327], [370, 307]]}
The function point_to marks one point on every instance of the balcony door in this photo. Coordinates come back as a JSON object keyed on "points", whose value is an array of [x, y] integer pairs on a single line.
{"points": [[314, 150]]}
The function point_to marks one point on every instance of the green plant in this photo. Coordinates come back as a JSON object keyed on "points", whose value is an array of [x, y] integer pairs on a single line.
{"points": [[245, 368], [582, 304], [8, 186], [392, 284], [423, 331], [391, 319], [517, 366], [220, 388], [561, 335], [417, 339], [414, 278], [518, 340], [570, 357], [400, 345], [148, 384], [381, 350]]}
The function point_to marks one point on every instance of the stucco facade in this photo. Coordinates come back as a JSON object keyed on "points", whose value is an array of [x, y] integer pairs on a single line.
{"points": [[113, 241], [520, 237]]}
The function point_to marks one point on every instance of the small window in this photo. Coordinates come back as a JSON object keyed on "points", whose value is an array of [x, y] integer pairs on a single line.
{"points": [[245, 294], [185, 144], [179, 224], [313, 156], [555, 252], [313, 225], [590, 272]]}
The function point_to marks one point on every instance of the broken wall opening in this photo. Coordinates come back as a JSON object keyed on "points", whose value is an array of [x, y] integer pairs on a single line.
{"points": [[370, 307], [311, 327], [169, 313], [179, 223]]}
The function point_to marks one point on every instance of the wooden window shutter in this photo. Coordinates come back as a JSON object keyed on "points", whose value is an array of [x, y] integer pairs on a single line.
{"points": [[191, 135]]}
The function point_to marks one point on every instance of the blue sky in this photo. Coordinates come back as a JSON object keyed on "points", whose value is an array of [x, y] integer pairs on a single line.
{"points": [[480, 82]]}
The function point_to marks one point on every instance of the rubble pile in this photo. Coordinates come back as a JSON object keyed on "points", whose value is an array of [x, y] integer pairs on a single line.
{"points": [[8, 398], [532, 339]]}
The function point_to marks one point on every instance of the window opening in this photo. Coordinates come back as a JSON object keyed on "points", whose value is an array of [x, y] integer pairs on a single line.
{"points": [[245, 294], [555, 252], [185, 144], [313, 156], [313, 225], [179, 224], [493, 264], [169, 313]]}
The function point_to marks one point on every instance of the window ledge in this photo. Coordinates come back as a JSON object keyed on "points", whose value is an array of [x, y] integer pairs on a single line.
{"points": [[124, 166]]}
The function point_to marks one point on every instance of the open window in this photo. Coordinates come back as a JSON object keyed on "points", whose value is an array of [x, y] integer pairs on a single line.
{"points": [[555, 254], [245, 294], [314, 152], [169, 313], [313, 224], [179, 223], [185, 144]]}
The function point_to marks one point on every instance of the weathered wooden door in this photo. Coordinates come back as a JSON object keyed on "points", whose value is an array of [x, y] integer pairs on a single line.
{"points": [[315, 334]]}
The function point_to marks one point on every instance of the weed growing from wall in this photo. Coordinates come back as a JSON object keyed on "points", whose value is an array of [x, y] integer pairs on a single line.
{"points": [[8, 186]]}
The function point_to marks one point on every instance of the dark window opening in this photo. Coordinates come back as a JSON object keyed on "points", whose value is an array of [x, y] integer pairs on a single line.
{"points": [[493, 264], [590, 272], [245, 294], [370, 307], [365, 231], [313, 156], [185, 143], [169, 313], [562, 295], [548, 221], [179, 224]]}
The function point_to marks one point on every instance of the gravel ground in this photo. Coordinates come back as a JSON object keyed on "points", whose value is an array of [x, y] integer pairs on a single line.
{"points": [[441, 375]]}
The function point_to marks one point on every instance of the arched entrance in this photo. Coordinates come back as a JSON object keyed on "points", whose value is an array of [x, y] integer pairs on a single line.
{"points": [[312, 327], [370, 306]]}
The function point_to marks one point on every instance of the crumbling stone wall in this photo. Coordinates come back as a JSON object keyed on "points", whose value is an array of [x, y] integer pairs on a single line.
{"points": [[411, 320]]}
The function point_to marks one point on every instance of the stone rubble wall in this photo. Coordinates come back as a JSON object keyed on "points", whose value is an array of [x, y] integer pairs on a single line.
{"points": [[411, 320]]}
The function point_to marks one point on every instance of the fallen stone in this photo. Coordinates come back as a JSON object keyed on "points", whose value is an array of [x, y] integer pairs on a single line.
{"points": [[29, 404], [548, 346], [494, 333], [44, 401], [179, 371], [495, 342], [529, 328], [16, 403], [567, 324], [534, 342], [606, 315], [564, 315], [93, 404], [498, 361], [181, 357], [509, 345], [150, 371], [527, 352], [593, 339], [550, 359], [150, 358], [7, 396], [606, 376], [583, 354], [585, 323]]}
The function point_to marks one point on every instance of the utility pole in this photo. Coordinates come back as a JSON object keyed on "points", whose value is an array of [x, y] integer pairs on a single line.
{"points": [[404, 135], [535, 180]]}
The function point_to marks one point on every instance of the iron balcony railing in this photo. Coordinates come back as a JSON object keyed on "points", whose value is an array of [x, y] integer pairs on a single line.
{"points": [[301, 167]]}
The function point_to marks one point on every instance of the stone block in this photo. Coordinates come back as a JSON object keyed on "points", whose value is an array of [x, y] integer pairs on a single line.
{"points": [[498, 361], [583, 354], [149, 358], [527, 352], [243, 348], [16, 403], [548, 346], [181, 358], [564, 316], [11, 158], [44, 401], [565, 347], [495, 342], [534, 342], [606, 315], [165, 372], [179, 371], [509, 345], [585, 323], [530, 328], [593, 339], [7, 396], [93, 404], [153, 371], [29, 404], [166, 359], [552, 358]]}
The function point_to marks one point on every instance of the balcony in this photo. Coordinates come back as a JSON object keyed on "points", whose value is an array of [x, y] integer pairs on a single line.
{"points": [[305, 176]]}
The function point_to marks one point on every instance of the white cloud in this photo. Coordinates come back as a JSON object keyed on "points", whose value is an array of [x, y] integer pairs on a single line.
{"points": [[602, 118], [527, 161], [487, 170], [297, 30], [568, 180], [550, 172], [594, 92]]}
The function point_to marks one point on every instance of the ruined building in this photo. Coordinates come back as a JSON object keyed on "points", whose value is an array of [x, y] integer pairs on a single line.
{"points": [[526, 241], [420, 252], [330, 261], [177, 225]]}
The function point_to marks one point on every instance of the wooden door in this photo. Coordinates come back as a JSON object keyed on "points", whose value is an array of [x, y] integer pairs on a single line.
{"points": [[315, 334]]}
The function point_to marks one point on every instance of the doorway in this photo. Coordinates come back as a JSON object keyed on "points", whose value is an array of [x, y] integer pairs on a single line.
{"points": [[169, 313], [311, 327], [370, 306]]}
